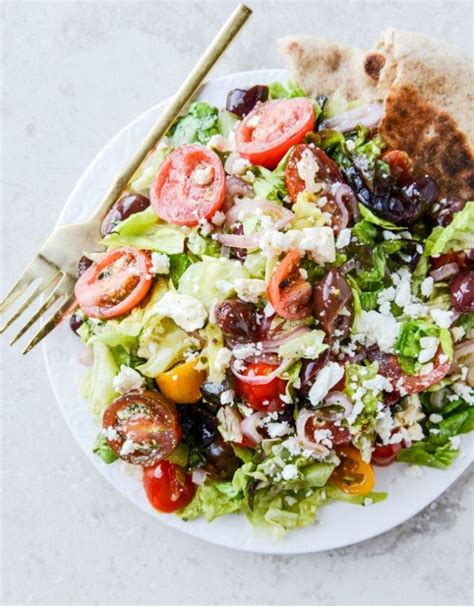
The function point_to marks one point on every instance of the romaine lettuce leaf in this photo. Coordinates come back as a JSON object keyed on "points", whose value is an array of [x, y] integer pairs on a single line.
{"points": [[144, 231], [408, 345], [213, 499], [308, 345], [103, 450], [197, 126], [211, 279], [276, 90], [97, 385], [458, 235], [145, 175]]}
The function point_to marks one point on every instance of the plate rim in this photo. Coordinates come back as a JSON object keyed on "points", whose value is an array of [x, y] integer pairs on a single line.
{"points": [[272, 546]]}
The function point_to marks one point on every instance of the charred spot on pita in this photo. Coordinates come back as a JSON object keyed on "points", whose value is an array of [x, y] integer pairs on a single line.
{"points": [[373, 65]]}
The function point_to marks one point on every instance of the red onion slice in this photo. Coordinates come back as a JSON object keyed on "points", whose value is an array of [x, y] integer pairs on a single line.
{"points": [[303, 417], [198, 477], [274, 344], [250, 424], [244, 207], [262, 379], [368, 115], [336, 398], [252, 240], [344, 191], [445, 271]]}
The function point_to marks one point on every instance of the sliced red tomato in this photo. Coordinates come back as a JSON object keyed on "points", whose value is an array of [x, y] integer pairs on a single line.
{"points": [[401, 382], [264, 397], [353, 475], [168, 487], [458, 257], [327, 172], [384, 455], [340, 435], [115, 284], [288, 293], [142, 427], [189, 186], [268, 131], [401, 166]]}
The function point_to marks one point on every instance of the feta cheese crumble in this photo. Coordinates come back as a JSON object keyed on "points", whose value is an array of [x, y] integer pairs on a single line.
{"points": [[442, 318], [186, 311], [250, 289], [160, 263], [327, 377], [127, 379], [378, 329]]}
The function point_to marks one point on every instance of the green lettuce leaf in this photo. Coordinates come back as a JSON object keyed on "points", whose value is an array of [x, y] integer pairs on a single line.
{"points": [[408, 345], [97, 386], [276, 90], [213, 499], [309, 345], [144, 231], [458, 235], [197, 126], [103, 450], [270, 184]]}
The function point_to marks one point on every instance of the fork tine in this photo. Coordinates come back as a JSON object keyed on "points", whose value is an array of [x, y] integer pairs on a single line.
{"points": [[51, 323], [53, 297], [16, 290], [41, 287]]}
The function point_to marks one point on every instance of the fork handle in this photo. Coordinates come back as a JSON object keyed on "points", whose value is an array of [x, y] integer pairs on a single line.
{"points": [[222, 40]]}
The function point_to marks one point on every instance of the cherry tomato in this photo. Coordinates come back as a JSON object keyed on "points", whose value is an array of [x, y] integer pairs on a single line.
{"points": [[168, 487], [142, 427], [328, 172], [400, 165], [268, 131], [384, 455], [115, 284], [189, 185], [288, 293], [262, 397], [353, 475]]}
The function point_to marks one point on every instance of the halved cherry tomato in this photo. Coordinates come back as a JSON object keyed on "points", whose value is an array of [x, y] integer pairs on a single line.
{"points": [[384, 455], [353, 475], [288, 293], [189, 185], [328, 172], [400, 165], [268, 131], [182, 383], [262, 397], [390, 368], [115, 284], [168, 487], [142, 427]]}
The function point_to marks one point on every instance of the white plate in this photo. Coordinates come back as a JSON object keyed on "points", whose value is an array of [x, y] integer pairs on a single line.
{"points": [[339, 524]]}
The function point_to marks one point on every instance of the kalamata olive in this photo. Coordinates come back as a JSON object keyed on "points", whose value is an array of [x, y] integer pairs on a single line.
{"points": [[238, 253], [331, 296], [198, 425], [469, 258], [443, 211], [84, 263], [309, 370], [75, 322], [221, 460], [462, 291], [237, 320], [242, 101], [403, 205], [126, 206]]}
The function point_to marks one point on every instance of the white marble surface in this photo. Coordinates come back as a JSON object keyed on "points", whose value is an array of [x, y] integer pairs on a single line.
{"points": [[73, 74]]}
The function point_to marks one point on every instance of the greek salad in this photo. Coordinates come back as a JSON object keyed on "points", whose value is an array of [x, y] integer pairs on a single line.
{"points": [[278, 305]]}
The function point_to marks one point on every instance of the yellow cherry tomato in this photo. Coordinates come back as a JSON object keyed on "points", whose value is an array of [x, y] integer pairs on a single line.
{"points": [[182, 383], [353, 475]]}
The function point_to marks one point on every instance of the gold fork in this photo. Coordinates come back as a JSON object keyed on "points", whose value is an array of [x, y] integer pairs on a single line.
{"points": [[54, 267]]}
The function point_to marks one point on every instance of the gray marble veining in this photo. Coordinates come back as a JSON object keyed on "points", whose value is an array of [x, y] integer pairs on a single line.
{"points": [[72, 74]]}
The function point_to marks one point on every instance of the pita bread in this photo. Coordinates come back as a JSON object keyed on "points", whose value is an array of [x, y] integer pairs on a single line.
{"points": [[425, 84]]}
